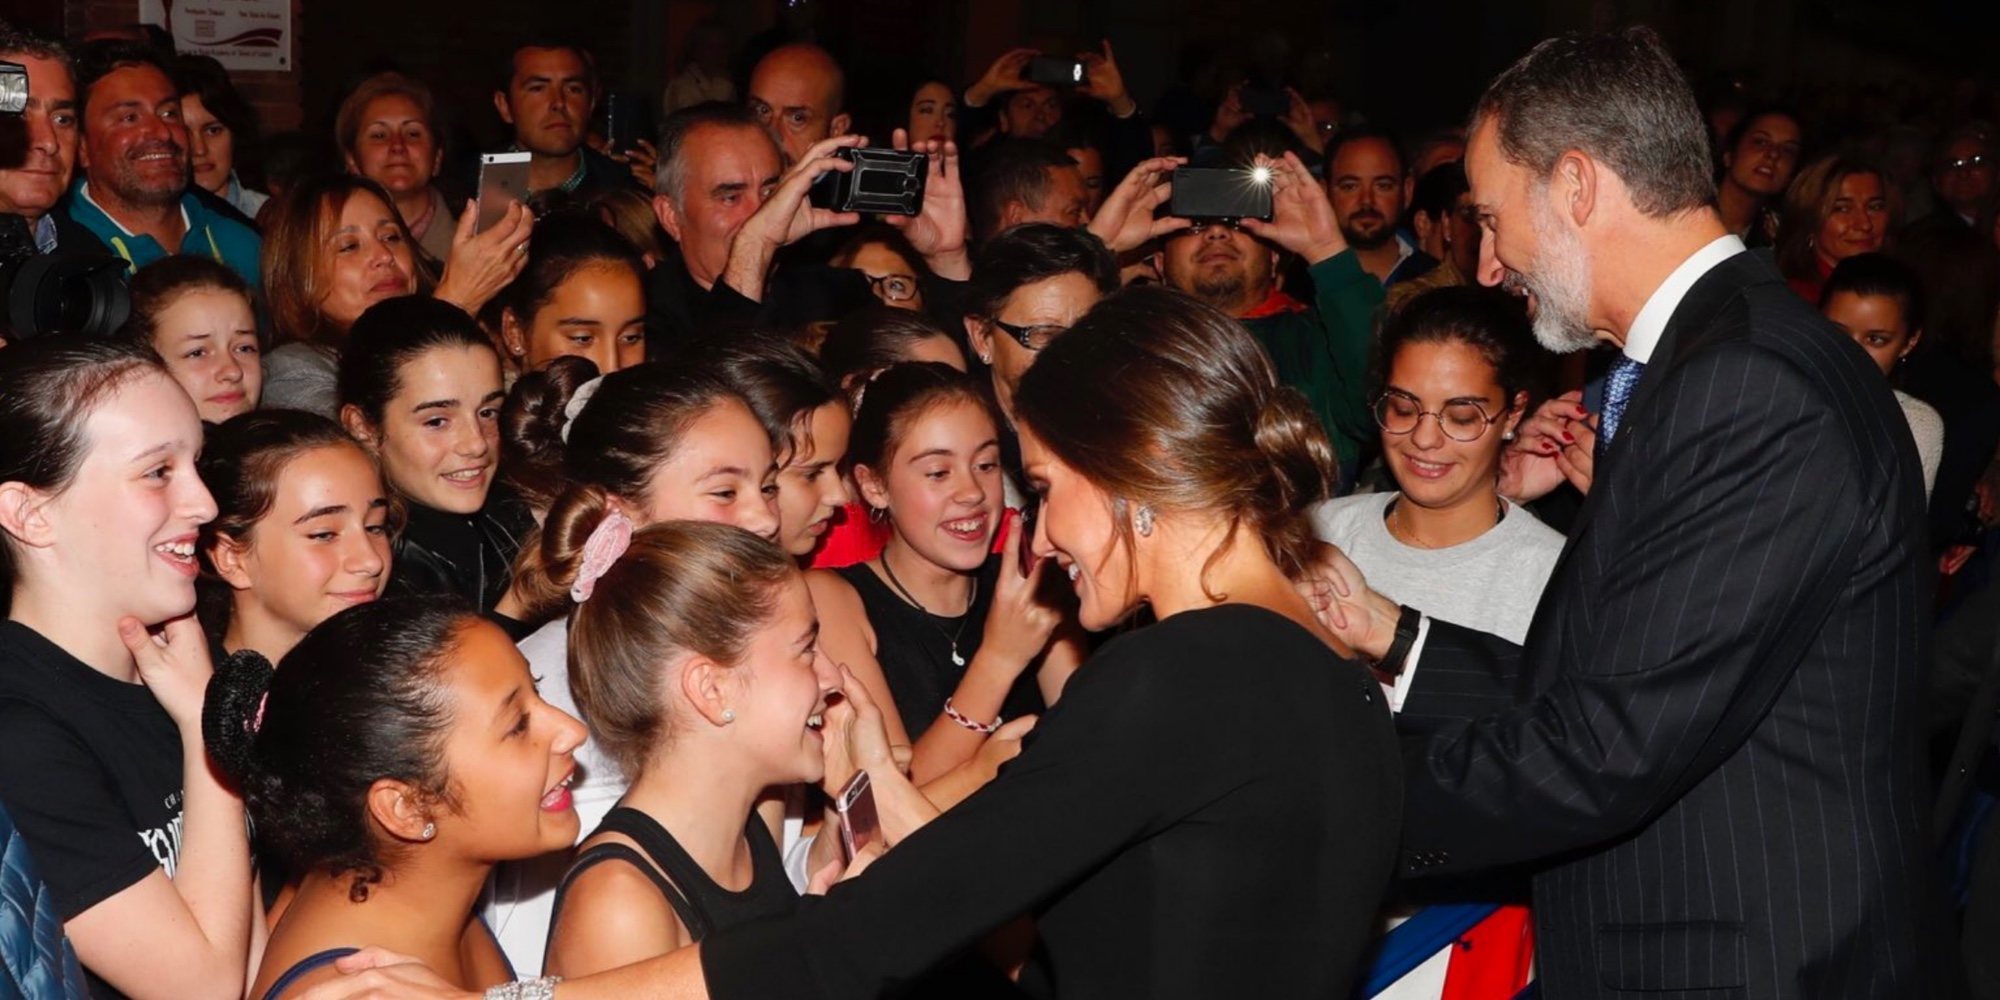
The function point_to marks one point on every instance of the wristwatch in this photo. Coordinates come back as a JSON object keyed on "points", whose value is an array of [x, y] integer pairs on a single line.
{"points": [[1392, 663]]}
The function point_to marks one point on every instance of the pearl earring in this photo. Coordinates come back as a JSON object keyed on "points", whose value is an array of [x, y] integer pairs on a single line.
{"points": [[728, 716]]}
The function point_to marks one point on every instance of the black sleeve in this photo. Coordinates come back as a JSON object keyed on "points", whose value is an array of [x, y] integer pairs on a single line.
{"points": [[68, 811], [1638, 714], [1104, 769]]}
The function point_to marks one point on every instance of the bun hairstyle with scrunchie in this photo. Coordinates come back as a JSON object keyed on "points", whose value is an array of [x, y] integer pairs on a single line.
{"points": [[1161, 400], [632, 425], [359, 699]]}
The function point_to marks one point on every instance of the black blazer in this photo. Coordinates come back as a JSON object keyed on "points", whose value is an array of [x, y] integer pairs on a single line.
{"points": [[1710, 745]]}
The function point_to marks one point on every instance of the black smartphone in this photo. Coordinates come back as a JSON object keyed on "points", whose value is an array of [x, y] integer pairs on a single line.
{"points": [[1213, 193], [625, 120], [887, 181], [1024, 523], [1264, 102], [1055, 71], [859, 824]]}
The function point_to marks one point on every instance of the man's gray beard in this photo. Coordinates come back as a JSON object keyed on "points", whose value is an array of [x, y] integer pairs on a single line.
{"points": [[1560, 284]]}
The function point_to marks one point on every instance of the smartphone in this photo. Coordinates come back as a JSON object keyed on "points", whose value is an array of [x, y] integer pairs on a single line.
{"points": [[1213, 193], [1055, 71], [503, 178], [625, 120], [1264, 102], [885, 181], [1023, 521], [859, 825]]}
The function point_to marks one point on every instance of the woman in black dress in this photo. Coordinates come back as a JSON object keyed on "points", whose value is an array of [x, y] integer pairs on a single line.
{"points": [[1212, 809]]}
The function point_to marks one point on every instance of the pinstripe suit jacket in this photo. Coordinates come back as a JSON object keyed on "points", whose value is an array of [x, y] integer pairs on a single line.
{"points": [[1709, 746]]}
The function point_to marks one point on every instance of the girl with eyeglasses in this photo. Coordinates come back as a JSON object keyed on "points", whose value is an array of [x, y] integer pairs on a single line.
{"points": [[1455, 369]]}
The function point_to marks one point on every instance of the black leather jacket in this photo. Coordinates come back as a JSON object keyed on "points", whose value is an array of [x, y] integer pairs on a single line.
{"points": [[471, 555]]}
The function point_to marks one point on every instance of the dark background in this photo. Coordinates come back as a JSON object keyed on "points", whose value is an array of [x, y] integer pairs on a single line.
{"points": [[1410, 64]]}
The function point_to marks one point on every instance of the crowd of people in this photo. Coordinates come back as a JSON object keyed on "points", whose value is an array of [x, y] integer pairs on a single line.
{"points": [[1540, 524]]}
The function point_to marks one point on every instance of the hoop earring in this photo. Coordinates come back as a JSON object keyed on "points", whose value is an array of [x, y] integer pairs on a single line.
{"points": [[876, 515]]}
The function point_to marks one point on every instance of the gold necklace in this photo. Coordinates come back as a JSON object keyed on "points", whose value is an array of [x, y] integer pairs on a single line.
{"points": [[1400, 529]]}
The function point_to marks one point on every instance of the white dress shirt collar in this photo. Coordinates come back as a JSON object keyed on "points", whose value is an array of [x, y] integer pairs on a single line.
{"points": [[1651, 323]]}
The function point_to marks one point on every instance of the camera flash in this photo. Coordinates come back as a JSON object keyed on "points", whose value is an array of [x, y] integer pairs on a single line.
{"points": [[1261, 175]]}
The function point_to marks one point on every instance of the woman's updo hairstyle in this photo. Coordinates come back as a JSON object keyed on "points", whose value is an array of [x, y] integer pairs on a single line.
{"points": [[48, 388], [683, 588], [889, 403], [359, 699], [1488, 320], [1159, 399], [531, 419], [631, 425], [392, 333]]}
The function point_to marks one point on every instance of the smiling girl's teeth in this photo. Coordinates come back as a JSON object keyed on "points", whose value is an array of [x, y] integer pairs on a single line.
{"points": [[179, 550], [969, 524]]}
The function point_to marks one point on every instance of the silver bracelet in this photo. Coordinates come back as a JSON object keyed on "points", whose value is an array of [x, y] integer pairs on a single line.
{"points": [[543, 988]]}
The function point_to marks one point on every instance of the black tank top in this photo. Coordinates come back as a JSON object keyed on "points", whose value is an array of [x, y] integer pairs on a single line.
{"points": [[914, 648], [700, 903]]}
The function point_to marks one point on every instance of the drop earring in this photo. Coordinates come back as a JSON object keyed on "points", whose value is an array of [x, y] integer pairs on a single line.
{"points": [[1142, 521], [430, 830]]}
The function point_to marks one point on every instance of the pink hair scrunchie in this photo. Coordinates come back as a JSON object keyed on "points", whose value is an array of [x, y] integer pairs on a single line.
{"points": [[606, 543]]}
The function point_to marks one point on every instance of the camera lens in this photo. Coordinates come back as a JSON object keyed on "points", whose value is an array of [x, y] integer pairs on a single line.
{"points": [[63, 293]]}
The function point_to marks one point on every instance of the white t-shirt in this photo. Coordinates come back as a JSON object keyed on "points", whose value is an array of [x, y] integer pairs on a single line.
{"points": [[1928, 428], [1491, 583]]}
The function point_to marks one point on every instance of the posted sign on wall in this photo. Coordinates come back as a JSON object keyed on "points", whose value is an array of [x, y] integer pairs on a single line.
{"points": [[241, 34]]}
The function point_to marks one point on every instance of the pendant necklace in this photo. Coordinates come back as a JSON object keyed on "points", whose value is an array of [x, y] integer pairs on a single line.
{"points": [[952, 636]]}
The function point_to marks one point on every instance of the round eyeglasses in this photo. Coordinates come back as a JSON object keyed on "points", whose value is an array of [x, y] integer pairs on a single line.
{"points": [[1461, 420], [893, 287]]}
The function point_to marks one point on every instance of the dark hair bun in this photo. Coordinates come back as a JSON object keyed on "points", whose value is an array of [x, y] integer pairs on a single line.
{"points": [[231, 712], [1303, 465], [531, 422]]}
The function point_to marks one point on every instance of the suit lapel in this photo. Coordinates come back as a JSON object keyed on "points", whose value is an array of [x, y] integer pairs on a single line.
{"points": [[1684, 332]]}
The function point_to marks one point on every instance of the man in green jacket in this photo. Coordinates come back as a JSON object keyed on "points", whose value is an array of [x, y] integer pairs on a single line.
{"points": [[1320, 346]]}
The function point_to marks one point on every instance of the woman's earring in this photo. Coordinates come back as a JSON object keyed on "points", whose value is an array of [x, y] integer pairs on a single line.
{"points": [[986, 359], [876, 514], [1506, 435], [728, 716], [1142, 521], [430, 830]]}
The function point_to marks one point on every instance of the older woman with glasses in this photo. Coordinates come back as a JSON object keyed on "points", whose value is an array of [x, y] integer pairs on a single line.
{"points": [[1455, 370], [1028, 285]]}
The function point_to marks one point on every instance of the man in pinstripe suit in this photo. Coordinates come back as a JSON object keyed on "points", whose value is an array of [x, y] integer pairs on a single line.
{"points": [[1708, 749]]}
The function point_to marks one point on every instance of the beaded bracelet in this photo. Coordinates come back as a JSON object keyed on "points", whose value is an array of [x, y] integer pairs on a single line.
{"points": [[543, 988], [962, 719]]}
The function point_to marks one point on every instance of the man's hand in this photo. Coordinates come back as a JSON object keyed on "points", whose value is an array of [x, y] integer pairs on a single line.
{"points": [[787, 216], [380, 974], [1004, 76], [1103, 81], [1299, 118], [1126, 221], [1302, 218], [1340, 597], [643, 160], [938, 230]]}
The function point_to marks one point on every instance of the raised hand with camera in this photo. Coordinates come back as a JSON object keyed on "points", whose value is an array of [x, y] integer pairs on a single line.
{"points": [[787, 216], [1102, 81], [1302, 219], [1127, 219], [1006, 75], [938, 230]]}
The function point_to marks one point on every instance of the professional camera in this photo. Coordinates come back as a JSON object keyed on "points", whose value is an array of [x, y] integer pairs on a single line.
{"points": [[43, 294], [889, 181]]}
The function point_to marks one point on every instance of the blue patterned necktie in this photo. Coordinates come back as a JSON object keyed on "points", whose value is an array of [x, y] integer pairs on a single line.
{"points": [[1618, 387]]}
